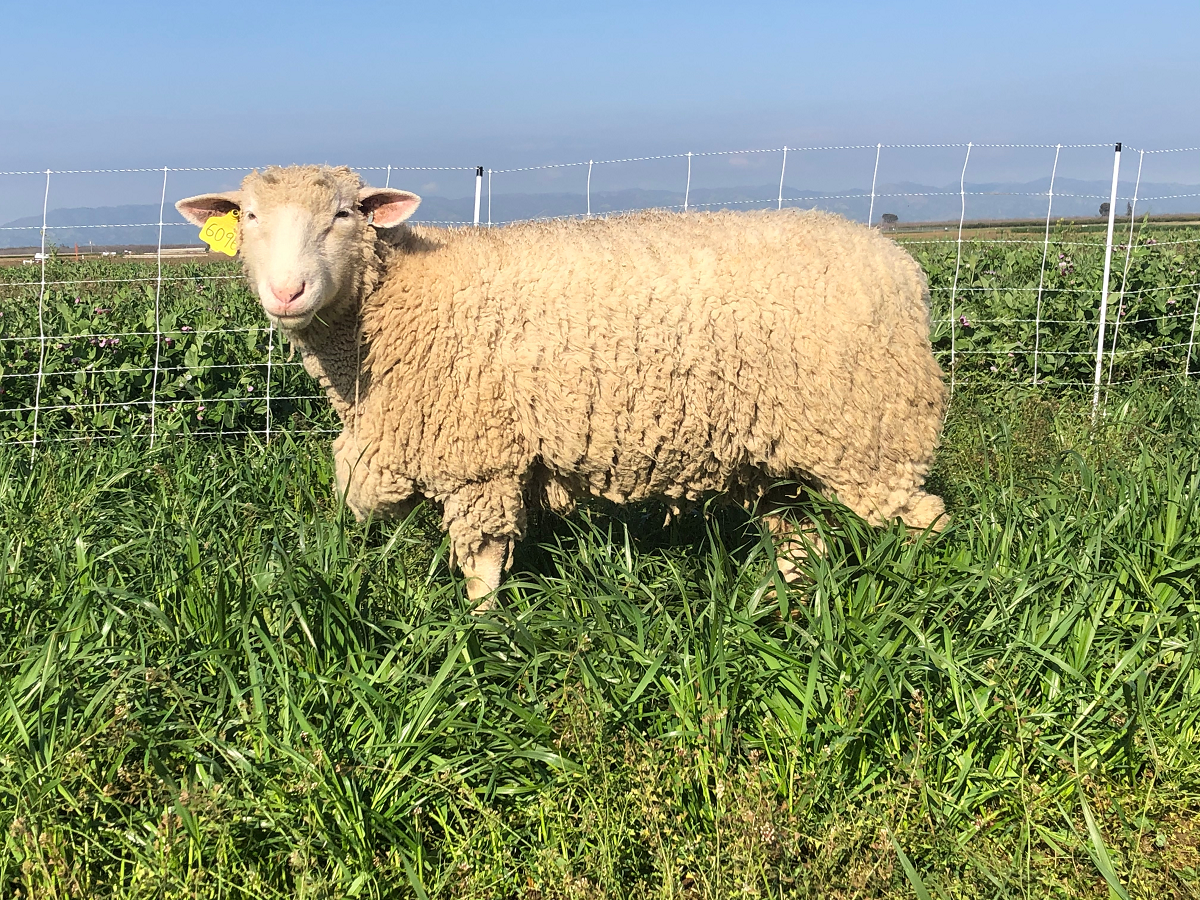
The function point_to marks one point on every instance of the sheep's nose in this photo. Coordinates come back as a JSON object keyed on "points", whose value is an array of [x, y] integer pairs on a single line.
{"points": [[287, 293]]}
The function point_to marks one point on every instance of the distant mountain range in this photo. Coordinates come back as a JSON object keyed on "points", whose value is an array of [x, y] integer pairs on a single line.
{"points": [[911, 202]]}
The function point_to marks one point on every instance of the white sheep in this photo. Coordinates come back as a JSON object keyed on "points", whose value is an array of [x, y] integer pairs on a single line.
{"points": [[650, 354]]}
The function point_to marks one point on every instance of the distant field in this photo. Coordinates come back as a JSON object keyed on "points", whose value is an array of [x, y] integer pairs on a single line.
{"points": [[978, 229]]}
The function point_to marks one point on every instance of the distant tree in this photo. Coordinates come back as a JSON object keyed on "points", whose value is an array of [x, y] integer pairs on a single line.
{"points": [[1128, 210], [889, 219], [1104, 209]]}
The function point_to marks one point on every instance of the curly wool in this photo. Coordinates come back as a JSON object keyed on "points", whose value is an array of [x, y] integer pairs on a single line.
{"points": [[650, 354]]}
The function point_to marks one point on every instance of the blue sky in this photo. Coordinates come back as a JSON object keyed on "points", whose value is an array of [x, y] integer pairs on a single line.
{"points": [[502, 84]]}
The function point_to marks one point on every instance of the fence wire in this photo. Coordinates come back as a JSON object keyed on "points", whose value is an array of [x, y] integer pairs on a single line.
{"points": [[97, 348]]}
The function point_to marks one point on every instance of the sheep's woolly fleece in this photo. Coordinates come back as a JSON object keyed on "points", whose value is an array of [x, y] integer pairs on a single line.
{"points": [[649, 354]]}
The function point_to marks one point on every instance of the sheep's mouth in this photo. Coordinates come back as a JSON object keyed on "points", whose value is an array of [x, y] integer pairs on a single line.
{"points": [[292, 320]]}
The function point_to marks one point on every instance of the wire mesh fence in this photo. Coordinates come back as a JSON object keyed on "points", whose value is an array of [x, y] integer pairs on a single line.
{"points": [[156, 340]]}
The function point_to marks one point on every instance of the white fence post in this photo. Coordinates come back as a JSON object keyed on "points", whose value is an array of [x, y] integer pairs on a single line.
{"points": [[37, 391], [489, 198], [871, 209], [1137, 185], [589, 190], [478, 191], [157, 326], [388, 182], [1187, 366], [687, 190], [1112, 211], [782, 172], [962, 193], [270, 353], [1037, 321]]}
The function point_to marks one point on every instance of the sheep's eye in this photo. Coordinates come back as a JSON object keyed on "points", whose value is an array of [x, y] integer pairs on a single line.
{"points": [[342, 214], [250, 217]]}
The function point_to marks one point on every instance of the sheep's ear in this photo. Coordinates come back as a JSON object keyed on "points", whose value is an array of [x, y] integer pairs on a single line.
{"points": [[199, 210], [388, 205]]}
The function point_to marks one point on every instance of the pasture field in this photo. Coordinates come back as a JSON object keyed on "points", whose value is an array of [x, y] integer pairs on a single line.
{"points": [[214, 684]]}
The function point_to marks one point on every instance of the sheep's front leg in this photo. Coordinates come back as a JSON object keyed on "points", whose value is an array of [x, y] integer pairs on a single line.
{"points": [[483, 571], [485, 520]]}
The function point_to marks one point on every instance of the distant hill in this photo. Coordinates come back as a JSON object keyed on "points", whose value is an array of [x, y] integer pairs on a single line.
{"points": [[101, 226], [911, 202]]}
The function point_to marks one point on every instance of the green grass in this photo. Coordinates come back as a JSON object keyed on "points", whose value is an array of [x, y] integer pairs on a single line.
{"points": [[214, 684]]}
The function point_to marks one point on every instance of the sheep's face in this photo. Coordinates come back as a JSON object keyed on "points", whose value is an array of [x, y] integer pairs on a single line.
{"points": [[303, 234]]}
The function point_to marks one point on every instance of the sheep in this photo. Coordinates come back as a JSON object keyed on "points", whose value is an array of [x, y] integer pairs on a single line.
{"points": [[652, 354]]}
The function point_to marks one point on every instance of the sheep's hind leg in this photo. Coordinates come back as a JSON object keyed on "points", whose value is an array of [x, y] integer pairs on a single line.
{"points": [[483, 571], [923, 511], [790, 548], [882, 503]]}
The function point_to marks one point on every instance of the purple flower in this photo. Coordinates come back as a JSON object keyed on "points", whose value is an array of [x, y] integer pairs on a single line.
{"points": [[186, 328], [964, 322]]}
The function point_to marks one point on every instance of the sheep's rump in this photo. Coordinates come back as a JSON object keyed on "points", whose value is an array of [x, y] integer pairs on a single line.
{"points": [[672, 354]]}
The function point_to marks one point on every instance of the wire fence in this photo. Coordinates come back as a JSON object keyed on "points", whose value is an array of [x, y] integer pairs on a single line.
{"points": [[163, 341]]}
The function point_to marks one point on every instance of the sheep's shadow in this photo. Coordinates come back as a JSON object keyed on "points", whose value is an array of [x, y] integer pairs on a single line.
{"points": [[650, 526]]}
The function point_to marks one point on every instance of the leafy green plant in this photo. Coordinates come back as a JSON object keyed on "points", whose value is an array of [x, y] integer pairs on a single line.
{"points": [[999, 320]]}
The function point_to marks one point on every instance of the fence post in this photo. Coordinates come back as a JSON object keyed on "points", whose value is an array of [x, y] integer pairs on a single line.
{"points": [[489, 198], [388, 182], [1112, 211], [1137, 186], [37, 391], [270, 353], [782, 172], [687, 190], [157, 326], [871, 209], [478, 191], [1037, 320], [589, 189], [1187, 366], [962, 193]]}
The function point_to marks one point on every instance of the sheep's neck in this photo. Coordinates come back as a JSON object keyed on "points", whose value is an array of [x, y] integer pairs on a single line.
{"points": [[334, 346], [332, 350]]}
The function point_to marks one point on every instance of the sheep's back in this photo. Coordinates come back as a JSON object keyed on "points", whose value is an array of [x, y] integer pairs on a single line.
{"points": [[661, 353]]}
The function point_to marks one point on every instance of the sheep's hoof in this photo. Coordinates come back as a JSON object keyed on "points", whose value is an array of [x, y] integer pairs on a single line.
{"points": [[481, 595]]}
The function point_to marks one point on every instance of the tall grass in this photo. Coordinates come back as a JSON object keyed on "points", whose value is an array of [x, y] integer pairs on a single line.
{"points": [[215, 684]]}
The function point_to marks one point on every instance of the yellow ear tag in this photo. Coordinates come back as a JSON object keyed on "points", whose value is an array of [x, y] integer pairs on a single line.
{"points": [[220, 233]]}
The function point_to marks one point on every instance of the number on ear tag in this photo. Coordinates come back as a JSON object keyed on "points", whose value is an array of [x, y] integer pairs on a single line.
{"points": [[220, 233]]}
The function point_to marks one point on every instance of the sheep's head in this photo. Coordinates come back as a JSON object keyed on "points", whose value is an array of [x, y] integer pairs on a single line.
{"points": [[302, 234]]}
